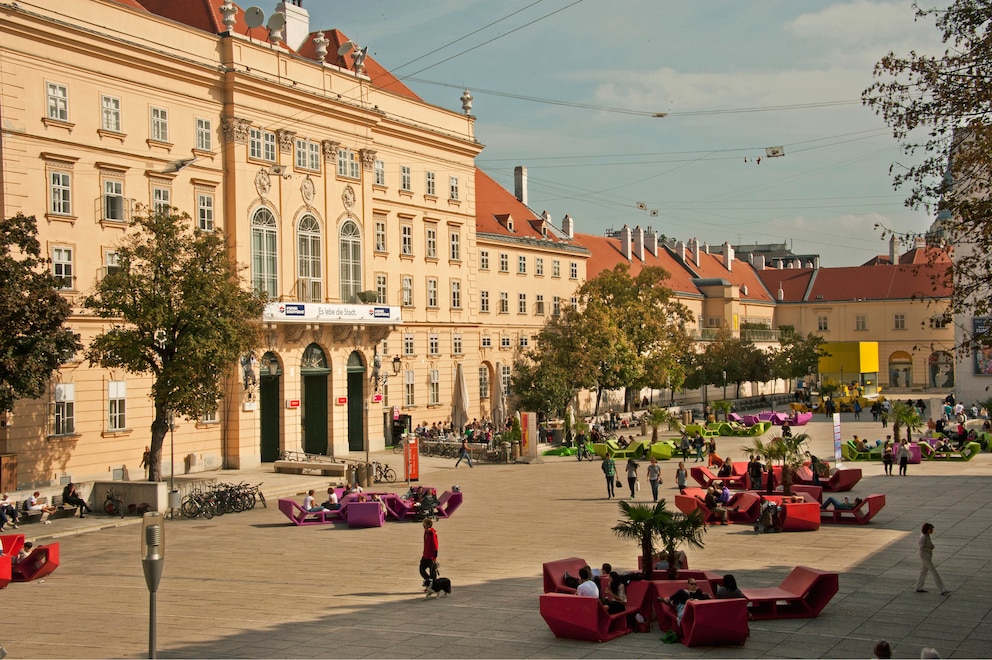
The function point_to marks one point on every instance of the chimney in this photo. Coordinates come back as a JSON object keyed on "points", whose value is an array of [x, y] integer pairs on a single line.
{"points": [[297, 24], [781, 293], [759, 261], [546, 216], [893, 250], [520, 183], [797, 263], [706, 248], [639, 243], [625, 242], [568, 226], [651, 241], [816, 262], [680, 252], [694, 248], [728, 257]]}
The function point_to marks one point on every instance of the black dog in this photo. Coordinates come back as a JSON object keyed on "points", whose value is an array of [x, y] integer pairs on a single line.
{"points": [[440, 587]]}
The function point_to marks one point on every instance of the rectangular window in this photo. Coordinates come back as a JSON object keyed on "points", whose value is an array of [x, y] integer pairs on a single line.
{"points": [[62, 267], [431, 292], [161, 200], [209, 417], [58, 102], [860, 322], [65, 404], [313, 152], [407, 299], [117, 397], [61, 193], [348, 163], [821, 323], [379, 172], [504, 302], [113, 200], [433, 345], [487, 342], [435, 392], [539, 266], [431, 184], [456, 246], [483, 382], [110, 114], [453, 187], [574, 302], [521, 303], [555, 268], [205, 211], [269, 146], [408, 344], [380, 235], [432, 243], [504, 342], [555, 306], [484, 260], [405, 178], [456, 344], [456, 294], [160, 124], [504, 262], [573, 270], [381, 289], [111, 262], [899, 322], [522, 265], [524, 341], [408, 388], [505, 376], [484, 302], [301, 154], [255, 143], [204, 135], [406, 239], [539, 304]]}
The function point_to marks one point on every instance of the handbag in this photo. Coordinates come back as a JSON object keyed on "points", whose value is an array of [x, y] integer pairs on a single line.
{"points": [[619, 484], [637, 485]]}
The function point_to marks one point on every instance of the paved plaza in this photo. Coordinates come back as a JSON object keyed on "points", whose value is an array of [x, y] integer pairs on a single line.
{"points": [[252, 585]]}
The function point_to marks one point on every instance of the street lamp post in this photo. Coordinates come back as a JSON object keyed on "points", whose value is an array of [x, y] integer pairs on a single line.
{"points": [[152, 562]]}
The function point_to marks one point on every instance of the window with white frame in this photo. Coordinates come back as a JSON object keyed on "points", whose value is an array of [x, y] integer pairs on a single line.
{"points": [[348, 164], [555, 268], [60, 192], [484, 302], [521, 303], [453, 187], [822, 322], [860, 322], [539, 303], [405, 181], [380, 235], [209, 417], [504, 302], [456, 246], [406, 239], [432, 292], [269, 146], [381, 290], [160, 124], [350, 259], [204, 135], [408, 344], [484, 260], [573, 270], [116, 409], [379, 173], [522, 265], [62, 266], [487, 341], [574, 301], [301, 154], [456, 344], [483, 382], [435, 388], [456, 294], [524, 341], [432, 242], [539, 266], [58, 101], [110, 114], [504, 262], [408, 388], [407, 295], [111, 262], [313, 156], [264, 254], [262, 145], [433, 344], [113, 200], [161, 199], [504, 342], [506, 380], [205, 211], [309, 268], [555, 306], [65, 404], [899, 322], [431, 184]]}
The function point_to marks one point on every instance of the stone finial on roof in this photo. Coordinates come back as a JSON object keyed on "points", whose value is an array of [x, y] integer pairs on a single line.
{"points": [[728, 257], [466, 100], [321, 42], [651, 241], [229, 15]]}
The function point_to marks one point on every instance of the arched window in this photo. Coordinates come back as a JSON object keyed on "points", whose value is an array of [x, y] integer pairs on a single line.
{"points": [[309, 286], [264, 253], [351, 262]]}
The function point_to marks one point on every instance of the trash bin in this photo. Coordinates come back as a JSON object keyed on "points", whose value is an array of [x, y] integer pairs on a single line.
{"points": [[174, 499], [352, 474], [644, 427], [363, 472], [687, 417], [369, 475], [515, 450], [505, 451]]}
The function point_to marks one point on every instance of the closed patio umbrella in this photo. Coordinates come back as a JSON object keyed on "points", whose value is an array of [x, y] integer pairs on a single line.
{"points": [[459, 401]]}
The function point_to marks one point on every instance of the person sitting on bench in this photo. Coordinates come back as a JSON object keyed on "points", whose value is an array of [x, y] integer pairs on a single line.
{"points": [[32, 504], [729, 588], [70, 496], [8, 512], [727, 469], [683, 596], [310, 503], [332, 502], [846, 505]]}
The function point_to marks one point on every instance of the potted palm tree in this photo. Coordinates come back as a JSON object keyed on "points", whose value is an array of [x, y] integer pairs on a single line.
{"points": [[657, 417], [789, 453], [724, 407], [905, 416], [645, 523]]}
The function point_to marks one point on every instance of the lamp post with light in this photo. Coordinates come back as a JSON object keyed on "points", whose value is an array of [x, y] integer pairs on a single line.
{"points": [[152, 562]]}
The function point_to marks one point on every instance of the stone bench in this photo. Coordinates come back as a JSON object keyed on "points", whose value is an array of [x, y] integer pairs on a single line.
{"points": [[301, 467]]}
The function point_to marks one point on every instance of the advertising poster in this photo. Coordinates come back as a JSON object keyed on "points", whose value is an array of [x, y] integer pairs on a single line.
{"points": [[837, 455]]}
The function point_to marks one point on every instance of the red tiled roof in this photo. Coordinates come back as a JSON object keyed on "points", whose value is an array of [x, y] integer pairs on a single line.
{"points": [[606, 254], [793, 281], [913, 256], [879, 282], [494, 203], [741, 273], [133, 4], [201, 14]]}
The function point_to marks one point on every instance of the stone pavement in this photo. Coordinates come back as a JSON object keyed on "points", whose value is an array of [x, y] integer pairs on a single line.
{"points": [[252, 585]]}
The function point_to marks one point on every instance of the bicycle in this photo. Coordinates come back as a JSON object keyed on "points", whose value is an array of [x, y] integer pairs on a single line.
{"points": [[384, 473], [113, 505]]}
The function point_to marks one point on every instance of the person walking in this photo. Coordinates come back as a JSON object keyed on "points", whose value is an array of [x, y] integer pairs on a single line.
{"points": [[681, 475], [428, 560], [631, 469], [697, 444], [464, 454], [609, 468], [903, 457], [654, 477], [887, 458], [684, 446], [926, 559]]}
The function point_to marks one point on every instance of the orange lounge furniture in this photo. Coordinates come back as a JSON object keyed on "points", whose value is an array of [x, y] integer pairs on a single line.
{"points": [[803, 594], [554, 574], [867, 509]]}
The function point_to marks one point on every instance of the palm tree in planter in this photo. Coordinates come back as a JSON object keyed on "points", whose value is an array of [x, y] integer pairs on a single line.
{"points": [[905, 416], [645, 523], [659, 416], [789, 453], [724, 407]]}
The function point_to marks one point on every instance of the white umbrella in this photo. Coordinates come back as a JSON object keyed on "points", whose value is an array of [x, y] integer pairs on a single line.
{"points": [[498, 403], [459, 401]]}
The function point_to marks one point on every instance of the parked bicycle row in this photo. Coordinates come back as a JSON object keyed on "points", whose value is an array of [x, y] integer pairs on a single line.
{"points": [[223, 498]]}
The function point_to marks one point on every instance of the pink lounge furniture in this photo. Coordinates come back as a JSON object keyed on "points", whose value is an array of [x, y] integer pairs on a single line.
{"points": [[915, 453], [554, 574], [580, 617], [800, 418], [734, 417], [746, 503], [803, 594], [292, 510], [704, 477], [704, 622], [448, 502], [775, 418], [859, 515], [750, 420]]}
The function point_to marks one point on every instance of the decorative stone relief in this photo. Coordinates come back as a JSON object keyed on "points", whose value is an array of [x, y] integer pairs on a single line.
{"points": [[307, 190], [368, 158], [286, 140], [348, 198], [262, 183], [235, 129], [330, 149]]}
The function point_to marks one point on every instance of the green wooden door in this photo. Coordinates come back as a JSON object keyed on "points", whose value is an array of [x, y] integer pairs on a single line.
{"points": [[315, 413], [356, 416], [269, 401]]}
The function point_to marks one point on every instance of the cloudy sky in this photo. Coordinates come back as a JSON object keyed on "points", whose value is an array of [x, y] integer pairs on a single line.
{"points": [[567, 88]]}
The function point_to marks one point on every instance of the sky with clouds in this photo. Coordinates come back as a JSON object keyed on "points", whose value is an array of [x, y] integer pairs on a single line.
{"points": [[714, 66]]}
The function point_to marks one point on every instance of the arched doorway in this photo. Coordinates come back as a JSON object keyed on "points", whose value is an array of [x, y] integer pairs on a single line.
{"points": [[901, 370], [268, 395], [314, 370], [356, 402], [941, 369]]}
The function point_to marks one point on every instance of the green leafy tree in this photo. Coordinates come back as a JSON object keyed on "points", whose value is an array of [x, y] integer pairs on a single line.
{"points": [[722, 407], [738, 358], [34, 340], [904, 416], [645, 523], [789, 453], [797, 356], [940, 110], [180, 313]]}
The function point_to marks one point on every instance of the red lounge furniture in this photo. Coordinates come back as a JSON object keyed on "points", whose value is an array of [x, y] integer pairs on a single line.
{"points": [[292, 510], [839, 482], [554, 574], [659, 557], [12, 543], [745, 501], [704, 477], [705, 622], [365, 514], [579, 617], [800, 516], [859, 515], [42, 561], [5, 571], [803, 594]]}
